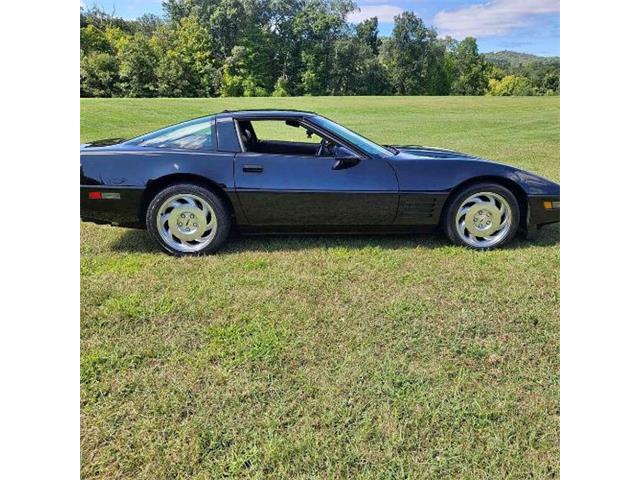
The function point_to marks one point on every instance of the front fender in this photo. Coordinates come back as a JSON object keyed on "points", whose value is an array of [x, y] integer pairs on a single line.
{"points": [[425, 175]]}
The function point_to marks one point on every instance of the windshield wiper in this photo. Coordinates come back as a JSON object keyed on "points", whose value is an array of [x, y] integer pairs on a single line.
{"points": [[393, 150]]}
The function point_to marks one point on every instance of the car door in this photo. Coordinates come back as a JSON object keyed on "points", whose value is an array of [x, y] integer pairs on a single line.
{"points": [[276, 189]]}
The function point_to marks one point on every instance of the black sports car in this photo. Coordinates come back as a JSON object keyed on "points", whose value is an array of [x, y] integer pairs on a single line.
{"points": [[191, 182]]}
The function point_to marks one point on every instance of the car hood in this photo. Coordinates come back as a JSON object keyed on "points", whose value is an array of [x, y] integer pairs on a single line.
{"points": [[433, 152]]}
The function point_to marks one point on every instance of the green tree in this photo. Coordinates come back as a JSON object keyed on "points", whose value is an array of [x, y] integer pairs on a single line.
{"points": [[117, 38], [318, 25], [185, 67], [543, 73], [373, 79], [148, 24], [437, 77], [137, 67], [367, 33], [403, 54], [226, 23], [414, 58], [290, 47], [510, 85], [551, 83], [237, 80], [99, 75], [282, 87], [471, 69], [355, 69], [286, 44], [347, 67], [92, 39], [100, 19], [258, 65]]}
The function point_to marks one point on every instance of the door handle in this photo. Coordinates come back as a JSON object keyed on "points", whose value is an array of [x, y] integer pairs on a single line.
{"points": [[252, 168]]}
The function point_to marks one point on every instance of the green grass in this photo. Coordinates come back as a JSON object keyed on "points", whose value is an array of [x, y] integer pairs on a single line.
{"points": [[326, 357]]}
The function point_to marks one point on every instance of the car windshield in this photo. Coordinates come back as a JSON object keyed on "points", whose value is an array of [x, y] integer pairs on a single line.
{"points": [[358, 140]]}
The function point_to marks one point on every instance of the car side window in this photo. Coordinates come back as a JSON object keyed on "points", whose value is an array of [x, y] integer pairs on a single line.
{"points": [[191, 135], [278, 137]]}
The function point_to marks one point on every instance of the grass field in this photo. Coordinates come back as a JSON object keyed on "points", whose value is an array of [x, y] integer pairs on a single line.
{"points": [[326, 357]]}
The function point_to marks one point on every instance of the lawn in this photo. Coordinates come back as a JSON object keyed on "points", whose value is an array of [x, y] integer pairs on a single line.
{"points": [[326, 357]]}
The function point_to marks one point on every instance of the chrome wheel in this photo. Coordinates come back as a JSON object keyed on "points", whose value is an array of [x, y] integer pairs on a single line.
{"points": [[484, 219], [186, 222]]}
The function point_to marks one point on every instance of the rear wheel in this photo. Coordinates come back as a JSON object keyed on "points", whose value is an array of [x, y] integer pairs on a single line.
{"points": [[482, 216], [188, 220]]}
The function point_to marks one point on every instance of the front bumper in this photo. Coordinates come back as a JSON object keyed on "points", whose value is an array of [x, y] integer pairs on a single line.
{"points": [[543, 210]]}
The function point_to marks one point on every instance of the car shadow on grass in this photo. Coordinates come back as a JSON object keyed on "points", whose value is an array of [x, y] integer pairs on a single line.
{"points": [[138, 241]]}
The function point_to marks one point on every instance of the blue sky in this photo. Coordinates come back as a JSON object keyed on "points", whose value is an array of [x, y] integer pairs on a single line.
{"points": [[531, 26]]}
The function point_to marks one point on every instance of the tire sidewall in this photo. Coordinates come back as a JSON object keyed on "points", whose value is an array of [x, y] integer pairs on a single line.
{"points": [[450, 220], [219, 208]]}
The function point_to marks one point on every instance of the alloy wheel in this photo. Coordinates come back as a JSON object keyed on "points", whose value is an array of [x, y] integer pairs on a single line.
{"points": [[483, 219], [186, 222]]}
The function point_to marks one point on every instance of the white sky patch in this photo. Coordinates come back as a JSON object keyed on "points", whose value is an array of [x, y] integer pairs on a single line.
{"points": [[492, 19], [385, 13]]}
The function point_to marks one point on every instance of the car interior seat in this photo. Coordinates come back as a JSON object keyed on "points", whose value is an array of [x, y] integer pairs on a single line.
{"points": [[248, 137]]}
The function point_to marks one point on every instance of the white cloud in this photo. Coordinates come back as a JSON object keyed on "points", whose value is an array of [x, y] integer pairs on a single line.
{"points": [[385, 13], [494, 18]]}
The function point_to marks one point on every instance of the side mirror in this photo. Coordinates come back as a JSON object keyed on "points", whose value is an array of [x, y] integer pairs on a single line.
{"points": [[345, 158]]}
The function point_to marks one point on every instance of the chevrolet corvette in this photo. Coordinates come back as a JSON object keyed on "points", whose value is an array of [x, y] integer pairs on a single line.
{"points": [[191, 183]]}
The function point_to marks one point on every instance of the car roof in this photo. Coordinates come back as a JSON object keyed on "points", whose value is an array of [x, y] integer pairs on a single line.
{"points": [[272, 113]]}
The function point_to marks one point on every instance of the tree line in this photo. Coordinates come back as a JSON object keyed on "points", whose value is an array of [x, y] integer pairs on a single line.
{"points": [[210, 48]]}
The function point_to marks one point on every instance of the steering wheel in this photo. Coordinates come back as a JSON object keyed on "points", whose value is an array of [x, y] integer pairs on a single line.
{"points": [[325, 148]]}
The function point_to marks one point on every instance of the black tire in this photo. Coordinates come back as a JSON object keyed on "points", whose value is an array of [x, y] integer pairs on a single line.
{"points": [[217, 206], [449, 218]]}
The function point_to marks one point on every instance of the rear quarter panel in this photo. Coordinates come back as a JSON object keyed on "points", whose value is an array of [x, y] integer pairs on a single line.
{"points": [[129, 171]]}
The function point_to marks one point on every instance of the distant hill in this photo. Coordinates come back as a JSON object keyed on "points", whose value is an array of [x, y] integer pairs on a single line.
{"points": [[507, 58]]}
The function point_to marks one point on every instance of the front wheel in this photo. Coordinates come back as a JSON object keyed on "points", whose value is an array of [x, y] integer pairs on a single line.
{"points": [[482, 216], [188, 220]]}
